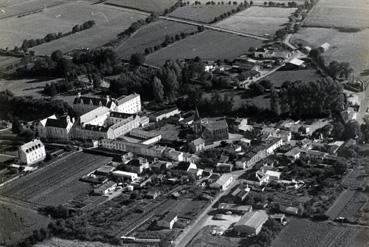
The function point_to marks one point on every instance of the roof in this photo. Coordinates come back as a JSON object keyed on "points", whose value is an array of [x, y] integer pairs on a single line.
{"points": [[216, 125], [97, 101], [31, 145], [231, 206], [273, 173], [43, 121], [105, 186], [293, 152], [119, 114], [198, 141], [296, 61], [57, 123], [169, 216], [165, 111], [223, 179], [123, 99], [253, 219]]}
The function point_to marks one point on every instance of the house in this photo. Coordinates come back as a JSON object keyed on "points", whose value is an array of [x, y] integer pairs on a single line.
{"points": [[105, 188], [224, 167], [159, 166], [129, 104], [168, 220], [251, 223], [138, 165], [56, 128], [215, 130], [173, 154], [295, 64], [105, 170], [186, 166], [241, 192], [293, 154], [313, 155], [244, 126], [84, 104], [263, 53], [32, 152], [324, 47], [249, 76], [197, 145], [126, 175], [234, 208], [153, 194], [145, 137], [167, 113], [223, 182]]}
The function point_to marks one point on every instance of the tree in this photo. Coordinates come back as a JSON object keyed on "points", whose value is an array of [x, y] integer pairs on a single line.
{"points": [[57, 55], [52, 90], [352, 130], [275, 102], [338, 130], [158, 90], [16, 126], [137, 59]]}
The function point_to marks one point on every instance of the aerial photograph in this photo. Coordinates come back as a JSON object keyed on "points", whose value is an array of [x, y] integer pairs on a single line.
{"points": [[184, 123]]}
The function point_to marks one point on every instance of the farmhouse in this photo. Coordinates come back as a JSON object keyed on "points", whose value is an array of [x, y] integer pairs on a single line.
{"points": [[251, 223], [32, 152]]}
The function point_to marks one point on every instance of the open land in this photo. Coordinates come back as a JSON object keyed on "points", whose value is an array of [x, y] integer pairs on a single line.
{"points": [[24, 87], [110, 21], [210, 45], [339, 14], [56, 183], [280, 76], [257, 20], [345, 47], [201, 13], [301, 232], [57, 242], [157, 6], [17, 223], [151, 35], [205, 238]]}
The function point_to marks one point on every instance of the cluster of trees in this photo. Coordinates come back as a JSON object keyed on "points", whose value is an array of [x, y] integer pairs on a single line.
{"points": [[231, 12], [28, 43], [28, 108], [313, 99], [345, 131], [276, 4], [138, 24], [173, 7], [292, 26], [59, 212], [171, 39], [221, 3]]}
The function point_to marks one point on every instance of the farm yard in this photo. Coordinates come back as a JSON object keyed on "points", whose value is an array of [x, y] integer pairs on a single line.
{"points": [[341, 14], [157, 6], [109, 22], [211, 45], [302, 232], [280, 76], [345, 47], [202, 13], [56, 183], [258, 20], [151, 35]]}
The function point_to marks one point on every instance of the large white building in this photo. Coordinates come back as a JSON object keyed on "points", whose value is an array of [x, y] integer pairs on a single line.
{"points": [[32, 152], [84, 104], [55, 128], [129, 104]]}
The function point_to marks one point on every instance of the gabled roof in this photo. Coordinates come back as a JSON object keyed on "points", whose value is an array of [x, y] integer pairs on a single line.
{"points": [[87, 100], [216, 125], [253, 219], [57, 123]]}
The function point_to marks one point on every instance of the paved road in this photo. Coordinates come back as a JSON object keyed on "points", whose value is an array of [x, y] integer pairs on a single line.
{"points": [[211, 27]]}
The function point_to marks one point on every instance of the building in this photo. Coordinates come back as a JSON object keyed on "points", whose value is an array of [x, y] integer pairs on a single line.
{"points": [[249, 77], [168, 220], [244, 126], [84, 104], [224, 167], [215, 130], [127, 175], [234, 208], [138, 165], [223, 182], [251, 223], [146, 137], [295, 64], [324, 47], [167, 113], [293, 154], [129, 104], [56, 128], [197, 145], [105, 188], [32, 152]]}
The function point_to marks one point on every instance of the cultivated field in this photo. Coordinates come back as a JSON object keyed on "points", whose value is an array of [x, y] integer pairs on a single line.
{"points": [[17, 223], [57, 242], [9, 8], [345, 47], [302, 232], [57, 183], [157, 6], [202, 13], [151, 35], [339, 14], [258, 20], [109, 22], [255, 2], [279, 77], [210, 45]]}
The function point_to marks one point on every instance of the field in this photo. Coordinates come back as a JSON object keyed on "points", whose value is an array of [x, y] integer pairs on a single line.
{"points": [[24, 87], [279, 77], [345, 47], [343, 199], [157, 6], [210, 45], [201, 13], [301, 232], [56, 183], [109, 22], [339, 14], [205, 238], [353, 211], [258, 20], [57, 242], [151, 35], [9, 8], [17, 223], [255, 2]]}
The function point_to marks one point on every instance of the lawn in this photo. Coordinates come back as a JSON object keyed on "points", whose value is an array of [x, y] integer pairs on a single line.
{"points": [[279, 77], [258, 20], [210, 45], [302, 232], [202, 13], [151, 35], [24, 87], [339, 14], [345, 47], [57, 242], [157, 6]]}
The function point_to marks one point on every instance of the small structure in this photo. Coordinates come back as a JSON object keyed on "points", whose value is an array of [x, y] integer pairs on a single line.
{"points": [[234, 208], [293, 154], [223, 182], [167, 113], [251, 223], [32, 152], [152, 194], [128, 175], [105, 188], [295, 64], [197, 145], [168, 220], [324, 47]]}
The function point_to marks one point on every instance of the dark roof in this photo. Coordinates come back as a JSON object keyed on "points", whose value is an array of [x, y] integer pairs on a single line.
{"points": [[120, 114], [165, 111], [96, 128], [93, 100], [216, 125], [58, 123], [183, 165]]}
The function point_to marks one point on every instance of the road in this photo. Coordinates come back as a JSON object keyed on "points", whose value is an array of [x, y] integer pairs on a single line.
{"points": [[190, 232], [211, 27]]}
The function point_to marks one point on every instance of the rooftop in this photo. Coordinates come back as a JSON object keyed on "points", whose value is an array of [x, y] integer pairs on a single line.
{"points": [[253, 219]]}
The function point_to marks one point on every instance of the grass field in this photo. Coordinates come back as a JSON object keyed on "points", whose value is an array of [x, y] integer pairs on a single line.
{"points": [[210, 45], [57, 242], [205, 238], [279, 77], [339, 14], [345, 47], [5, 61], [301, 232], [10, 8], [57, 183], [257, 20], [151, 35], [24, 87], [202, 13], [17, 223], [109, 22], [157, 6]]}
